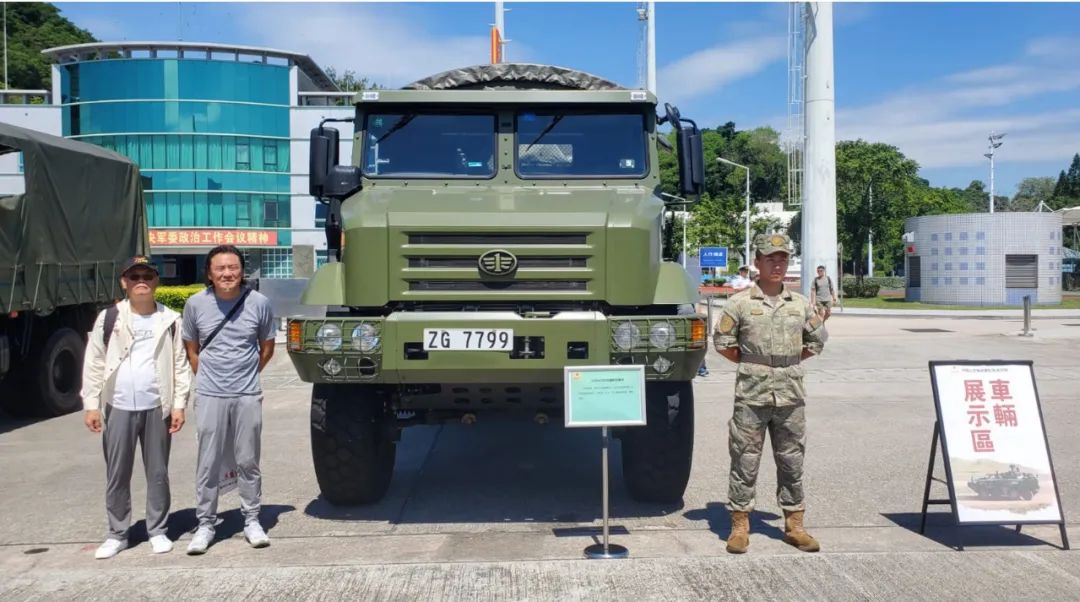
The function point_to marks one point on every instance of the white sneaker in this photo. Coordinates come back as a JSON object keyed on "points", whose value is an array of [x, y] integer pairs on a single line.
{"points": [[160, 544], [200, 541], [110, 548], [254, 534]]}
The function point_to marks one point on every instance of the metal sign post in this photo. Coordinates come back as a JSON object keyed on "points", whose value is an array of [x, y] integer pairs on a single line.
{"points": [[604, 396]]}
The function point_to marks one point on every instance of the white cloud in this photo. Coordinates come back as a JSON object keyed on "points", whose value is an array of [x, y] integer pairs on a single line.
{"points": [[945, 122], [710, 69], [374, 41]]}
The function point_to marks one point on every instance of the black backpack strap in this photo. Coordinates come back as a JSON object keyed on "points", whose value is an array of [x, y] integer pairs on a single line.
{"points": [[109, 324], [228, 316]]}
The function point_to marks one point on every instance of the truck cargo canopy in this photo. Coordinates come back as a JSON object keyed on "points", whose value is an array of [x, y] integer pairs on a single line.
{"points": [[81, 215], [524, 76]]}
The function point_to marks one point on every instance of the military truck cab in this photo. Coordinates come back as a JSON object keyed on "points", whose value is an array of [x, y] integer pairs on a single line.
{"points": [[496, 224]]}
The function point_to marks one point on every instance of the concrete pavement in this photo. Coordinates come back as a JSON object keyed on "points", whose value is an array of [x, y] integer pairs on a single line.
{"points": [[501, 510]]}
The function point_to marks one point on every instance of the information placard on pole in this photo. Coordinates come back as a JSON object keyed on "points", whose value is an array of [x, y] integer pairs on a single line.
{"points": [[993, 442], [604, 396]]}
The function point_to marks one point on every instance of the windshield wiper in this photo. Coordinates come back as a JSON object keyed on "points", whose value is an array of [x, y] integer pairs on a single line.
{"points": [[404, 121], [544, 132]]}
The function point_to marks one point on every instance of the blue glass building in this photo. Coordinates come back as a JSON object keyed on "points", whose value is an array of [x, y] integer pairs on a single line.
{"points": [[220, 132]]}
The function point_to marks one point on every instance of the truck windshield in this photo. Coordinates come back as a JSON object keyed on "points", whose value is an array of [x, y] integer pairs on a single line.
{"points": [[553, 144], [429, 145]]}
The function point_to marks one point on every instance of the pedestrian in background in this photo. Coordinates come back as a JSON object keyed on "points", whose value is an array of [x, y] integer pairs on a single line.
{"points": [[135, 387], [823, 294], [229, 335], [768, 330]]}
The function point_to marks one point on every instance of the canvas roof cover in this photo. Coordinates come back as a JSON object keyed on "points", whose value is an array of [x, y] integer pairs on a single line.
{"points": [[513, 75], [82, 214]]}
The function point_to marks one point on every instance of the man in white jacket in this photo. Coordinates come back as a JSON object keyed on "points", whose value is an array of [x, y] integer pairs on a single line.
{"points": [[136, 379]]}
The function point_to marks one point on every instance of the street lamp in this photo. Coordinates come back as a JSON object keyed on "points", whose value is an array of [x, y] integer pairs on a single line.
{"points": [[734, 164], [995, 142]]}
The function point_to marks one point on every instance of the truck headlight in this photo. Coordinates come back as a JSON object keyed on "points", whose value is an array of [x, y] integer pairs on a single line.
{"points": [[662, 335], [626, 336], [328, 337], [365, 338]]}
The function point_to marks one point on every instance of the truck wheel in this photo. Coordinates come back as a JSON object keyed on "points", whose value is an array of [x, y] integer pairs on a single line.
{"points": [[656, 458], [58, 375], [351, 447]]}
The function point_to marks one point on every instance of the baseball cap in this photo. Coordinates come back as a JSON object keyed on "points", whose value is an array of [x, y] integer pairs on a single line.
{"points": [[766, 244], [138, 261]]}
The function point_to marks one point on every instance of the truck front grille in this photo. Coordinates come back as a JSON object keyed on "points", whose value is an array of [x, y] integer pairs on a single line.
{"points": [[498, 285], [498, 239], [471, 261]]}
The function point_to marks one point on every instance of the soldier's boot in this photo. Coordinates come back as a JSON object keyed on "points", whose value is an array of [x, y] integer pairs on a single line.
{"points": [[796, 535], [739, 539]]}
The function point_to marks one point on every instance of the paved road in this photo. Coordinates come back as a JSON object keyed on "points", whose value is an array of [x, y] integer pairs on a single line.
{"points": [[502, 509]]}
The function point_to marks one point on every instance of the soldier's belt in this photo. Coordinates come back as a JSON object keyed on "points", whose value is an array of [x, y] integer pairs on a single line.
{"points": [[773, 361]]}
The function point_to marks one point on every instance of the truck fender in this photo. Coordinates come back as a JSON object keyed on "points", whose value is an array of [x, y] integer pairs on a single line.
{"points": [[674, 286], [327, 286]]}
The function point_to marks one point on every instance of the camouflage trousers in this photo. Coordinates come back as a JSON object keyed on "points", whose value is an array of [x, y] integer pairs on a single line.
{"points": [[787, 433]]}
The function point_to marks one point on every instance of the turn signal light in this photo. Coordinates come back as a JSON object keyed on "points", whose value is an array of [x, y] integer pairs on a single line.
{"points": [[697, 334], [296, 338]]}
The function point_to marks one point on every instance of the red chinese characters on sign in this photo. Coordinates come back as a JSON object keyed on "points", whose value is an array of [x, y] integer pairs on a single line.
{"points": [[210, 238], [1004, 415]]}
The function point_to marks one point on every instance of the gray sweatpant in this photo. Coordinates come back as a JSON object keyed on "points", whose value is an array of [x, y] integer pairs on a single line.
{"points": [[123, 430], [221, 421]]}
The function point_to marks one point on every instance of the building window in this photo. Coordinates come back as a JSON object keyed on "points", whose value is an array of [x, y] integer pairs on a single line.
{"points": [[934, 280], [963, 250], [948, 267], [980, 250], [963, 236], [933, 236], [243, 155], [933, 267], [321, 210], [321, 257], [1052, 250], [948, 236], [979, 265], [1021, 271], [980, 236], [963, 266], [22, 166], [277, 263], [948, 250], [980, 280], [270, 156], [270, 213], [963, 280], [948, 280], [933, 251]]}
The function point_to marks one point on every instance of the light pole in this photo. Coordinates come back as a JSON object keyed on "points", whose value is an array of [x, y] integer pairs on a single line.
{"points": [[734, 164], [995, 142]]}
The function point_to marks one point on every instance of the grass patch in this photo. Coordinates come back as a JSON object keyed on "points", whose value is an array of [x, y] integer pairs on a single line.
{"points": [[1067, 302]]}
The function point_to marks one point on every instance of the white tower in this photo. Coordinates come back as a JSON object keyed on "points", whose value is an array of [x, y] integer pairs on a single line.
{"points": [[819, 200]]}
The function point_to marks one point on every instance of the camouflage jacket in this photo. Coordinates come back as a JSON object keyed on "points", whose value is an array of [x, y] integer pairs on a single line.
{"points": [[752, 324]]}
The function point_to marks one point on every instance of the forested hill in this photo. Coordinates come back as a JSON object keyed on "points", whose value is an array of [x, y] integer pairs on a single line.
{"points": [[31, 28]]}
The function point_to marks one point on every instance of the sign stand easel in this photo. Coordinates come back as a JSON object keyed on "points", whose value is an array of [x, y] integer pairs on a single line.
{"points": [[1026, 369], [604, 396], [605, 549]]}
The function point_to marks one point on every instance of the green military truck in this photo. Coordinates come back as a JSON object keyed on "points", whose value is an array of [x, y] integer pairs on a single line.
{"points": [[62, 242], [496, 224]]}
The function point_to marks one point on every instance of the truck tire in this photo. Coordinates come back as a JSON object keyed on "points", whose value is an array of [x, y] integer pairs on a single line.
{"points": [[58, 373], [352, 449], [656, 458]]}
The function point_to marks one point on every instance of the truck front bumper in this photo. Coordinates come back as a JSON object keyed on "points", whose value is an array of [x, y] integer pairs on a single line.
{"points": [[390, 350]]}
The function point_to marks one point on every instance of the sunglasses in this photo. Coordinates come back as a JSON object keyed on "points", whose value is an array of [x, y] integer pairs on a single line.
{"points": [[141, 277]]}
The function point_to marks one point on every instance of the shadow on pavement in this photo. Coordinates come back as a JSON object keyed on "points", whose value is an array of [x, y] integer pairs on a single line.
{"points": [[9, 423], [500, 471], [719, 521], [941, 528], [230, 523]]}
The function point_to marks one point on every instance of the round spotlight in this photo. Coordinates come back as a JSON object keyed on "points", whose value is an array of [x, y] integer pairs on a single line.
{"points": [[328, 337], [626, 336], [365, 338], [662, 335]]}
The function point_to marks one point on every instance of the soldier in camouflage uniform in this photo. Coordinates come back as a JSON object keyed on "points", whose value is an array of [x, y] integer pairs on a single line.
{"points": [[768, 330]]}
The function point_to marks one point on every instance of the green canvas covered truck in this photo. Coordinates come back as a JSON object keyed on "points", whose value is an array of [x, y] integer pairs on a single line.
{"points": [[62, 242], [494, 225]]}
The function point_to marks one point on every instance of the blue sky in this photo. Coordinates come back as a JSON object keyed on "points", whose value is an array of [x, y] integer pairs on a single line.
{"points": [[933, 79]]}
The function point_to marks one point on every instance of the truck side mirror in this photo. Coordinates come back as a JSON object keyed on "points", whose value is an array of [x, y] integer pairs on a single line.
{"points": [[324, 155], [690, 152], [327, 178]]}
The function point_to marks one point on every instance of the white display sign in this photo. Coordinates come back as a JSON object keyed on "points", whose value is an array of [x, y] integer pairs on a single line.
{"points": [[994, 443]]}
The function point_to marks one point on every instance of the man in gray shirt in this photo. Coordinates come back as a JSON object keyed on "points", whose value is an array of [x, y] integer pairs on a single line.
{"points": [[228, 332], [823, 294]]}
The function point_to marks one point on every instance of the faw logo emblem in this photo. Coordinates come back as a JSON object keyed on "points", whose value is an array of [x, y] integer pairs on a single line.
{"points": [[498, 263]]}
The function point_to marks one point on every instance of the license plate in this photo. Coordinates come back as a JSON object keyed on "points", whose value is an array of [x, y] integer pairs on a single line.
{"points": [[468, 339]]}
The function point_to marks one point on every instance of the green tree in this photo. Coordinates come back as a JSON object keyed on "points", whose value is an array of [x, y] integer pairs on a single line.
{"points": [[1030, 192], [31, 28], [349, 81]]}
